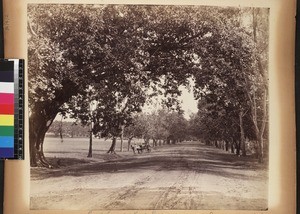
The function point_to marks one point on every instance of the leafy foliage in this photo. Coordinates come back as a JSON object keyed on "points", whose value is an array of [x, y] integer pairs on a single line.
{"points": [[100, 64]]}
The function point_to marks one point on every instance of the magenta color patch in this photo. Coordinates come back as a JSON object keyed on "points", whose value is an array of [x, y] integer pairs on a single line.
{"points": [[6, 98]]}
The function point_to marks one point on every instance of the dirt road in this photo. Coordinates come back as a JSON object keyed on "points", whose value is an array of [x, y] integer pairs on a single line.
{"points": [[188, 175]]}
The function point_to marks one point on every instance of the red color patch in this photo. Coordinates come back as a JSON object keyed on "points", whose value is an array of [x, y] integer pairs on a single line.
{"points": [[6, 109]]}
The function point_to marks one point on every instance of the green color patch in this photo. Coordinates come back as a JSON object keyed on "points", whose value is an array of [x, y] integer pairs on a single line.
{"points": [[6, 130]]}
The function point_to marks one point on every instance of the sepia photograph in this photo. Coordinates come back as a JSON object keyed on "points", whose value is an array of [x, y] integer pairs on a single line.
{"points": [[148, 107]]}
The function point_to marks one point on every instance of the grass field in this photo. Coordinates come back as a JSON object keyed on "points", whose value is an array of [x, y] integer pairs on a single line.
{"points": [[78, 147]]}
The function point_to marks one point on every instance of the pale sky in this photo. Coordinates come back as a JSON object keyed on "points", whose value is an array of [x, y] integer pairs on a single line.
{"points": [[188, 103]]}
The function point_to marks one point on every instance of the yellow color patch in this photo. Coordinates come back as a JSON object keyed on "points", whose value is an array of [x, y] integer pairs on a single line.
{"points": [[6, 120]]}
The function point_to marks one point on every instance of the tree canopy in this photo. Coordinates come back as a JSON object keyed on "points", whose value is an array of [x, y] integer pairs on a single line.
{"points": [[117, 56]]}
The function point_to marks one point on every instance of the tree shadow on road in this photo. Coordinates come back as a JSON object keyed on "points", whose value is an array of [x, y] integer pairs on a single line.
{"points": [[184, 157]]}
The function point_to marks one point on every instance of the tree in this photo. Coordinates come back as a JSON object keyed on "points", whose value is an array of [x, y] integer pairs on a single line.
{"points": [[70, 51], [136, 128], [82, 108], [237, 75], [52, 80], [88, 55], [259, 104]]}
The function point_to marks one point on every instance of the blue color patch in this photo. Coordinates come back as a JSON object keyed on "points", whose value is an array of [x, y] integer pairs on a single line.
{"points": [[6, 142]]}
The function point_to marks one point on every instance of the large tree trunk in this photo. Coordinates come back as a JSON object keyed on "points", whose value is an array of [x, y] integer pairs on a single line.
{"points": [[237, 147], [226, 145], [232, 147], [154, 142], [38, 126], [90, 154], [262, 128], [261, 150], [129, 143], [113, 146], [168, 140], [259, 128], [42, 116], [259, 124], [147, 141], [242, 133], [122, 137], [61, 130]]}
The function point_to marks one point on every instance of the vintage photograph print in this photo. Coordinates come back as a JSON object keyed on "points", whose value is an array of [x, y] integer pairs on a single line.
{"points": [[148, 107]]}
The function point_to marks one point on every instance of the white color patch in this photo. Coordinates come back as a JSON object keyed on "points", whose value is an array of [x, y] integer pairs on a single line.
{"points": [[7, 87]]}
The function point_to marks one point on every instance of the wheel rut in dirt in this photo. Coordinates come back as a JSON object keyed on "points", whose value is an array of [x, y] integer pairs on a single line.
{"points": [[188, 176]]}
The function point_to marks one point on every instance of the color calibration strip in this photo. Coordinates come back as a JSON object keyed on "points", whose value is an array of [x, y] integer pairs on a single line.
{"points": [[11, 108]]}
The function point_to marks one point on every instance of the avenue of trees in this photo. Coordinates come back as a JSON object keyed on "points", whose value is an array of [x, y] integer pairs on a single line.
{"points": [[100, 64], [67, 129]]}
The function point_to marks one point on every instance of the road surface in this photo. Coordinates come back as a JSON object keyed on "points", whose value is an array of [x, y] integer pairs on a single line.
{"points": [[188, 175]]}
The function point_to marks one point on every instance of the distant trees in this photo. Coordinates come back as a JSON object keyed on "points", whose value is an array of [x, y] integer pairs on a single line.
{"points": [[221, 127], [68, 129], [161, 126]]}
